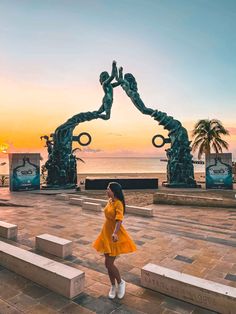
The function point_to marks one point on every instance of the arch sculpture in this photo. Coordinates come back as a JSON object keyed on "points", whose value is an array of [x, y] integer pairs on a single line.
{"points": [[61, 164]]}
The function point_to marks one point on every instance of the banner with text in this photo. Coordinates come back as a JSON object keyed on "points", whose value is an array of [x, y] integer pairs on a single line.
{"points": [[24, 171], [219, 171]]}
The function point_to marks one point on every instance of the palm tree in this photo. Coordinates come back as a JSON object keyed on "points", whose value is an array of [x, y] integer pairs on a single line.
{"points": [[207, 135]]}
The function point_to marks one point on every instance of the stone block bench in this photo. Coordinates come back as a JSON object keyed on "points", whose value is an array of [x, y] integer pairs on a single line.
{"points": [[181, 199], [75, 195], [142, 211], [92, 206], [198, 291], [60, 278], [8, 230], [54, 245], [62, 197], [96, 200], [76, 201]]}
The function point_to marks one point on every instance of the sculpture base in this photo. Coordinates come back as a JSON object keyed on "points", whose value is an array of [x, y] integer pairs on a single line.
{"points": [[58, 187], [93, 183], [181, 185]]}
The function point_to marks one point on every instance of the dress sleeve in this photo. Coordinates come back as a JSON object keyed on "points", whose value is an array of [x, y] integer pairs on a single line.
{"points": [[119, 211]]}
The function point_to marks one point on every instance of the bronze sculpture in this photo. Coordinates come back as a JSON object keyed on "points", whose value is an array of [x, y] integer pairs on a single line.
{"points": [[180, 171], [61, 164]]}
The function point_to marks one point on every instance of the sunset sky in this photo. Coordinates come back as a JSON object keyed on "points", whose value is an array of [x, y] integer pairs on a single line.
{"points": [[182, 53]]}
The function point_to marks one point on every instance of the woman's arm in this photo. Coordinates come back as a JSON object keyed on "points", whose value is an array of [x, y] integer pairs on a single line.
{"points": [[117, 228]]}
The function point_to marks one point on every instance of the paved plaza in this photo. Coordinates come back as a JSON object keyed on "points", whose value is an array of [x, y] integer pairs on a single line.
{"points": [[196, 241]]}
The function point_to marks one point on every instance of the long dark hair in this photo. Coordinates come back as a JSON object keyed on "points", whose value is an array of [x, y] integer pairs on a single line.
{"points": [[116, 188]]}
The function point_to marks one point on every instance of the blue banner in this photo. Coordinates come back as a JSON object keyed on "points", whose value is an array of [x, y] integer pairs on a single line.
{"points": [[24, 171], [219, 171]]}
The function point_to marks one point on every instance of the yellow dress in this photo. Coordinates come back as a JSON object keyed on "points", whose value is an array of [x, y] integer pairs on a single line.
{"points": [[104, 244]]}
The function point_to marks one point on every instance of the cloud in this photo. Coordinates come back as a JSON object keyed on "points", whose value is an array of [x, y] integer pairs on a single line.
{"points": [[114, 134], [91, 150]]}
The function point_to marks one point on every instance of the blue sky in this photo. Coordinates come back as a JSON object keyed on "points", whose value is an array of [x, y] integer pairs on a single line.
{"points": [[182, 53]]}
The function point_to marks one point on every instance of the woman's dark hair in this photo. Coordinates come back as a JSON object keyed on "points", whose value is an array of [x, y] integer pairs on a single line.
{"points": [[116, 188]]}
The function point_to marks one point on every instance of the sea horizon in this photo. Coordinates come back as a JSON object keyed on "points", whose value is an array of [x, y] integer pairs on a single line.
{"points": [[116, 164]]}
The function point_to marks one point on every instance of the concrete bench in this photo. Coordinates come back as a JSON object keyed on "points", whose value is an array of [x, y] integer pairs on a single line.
{"points": [[62, 197], [7, 230], [75, 195], [92, 206], [129, 209], [54, 245], [76, 201], [142, 211], [198, 291], [96, 200], [60, 278], [181, 199]]}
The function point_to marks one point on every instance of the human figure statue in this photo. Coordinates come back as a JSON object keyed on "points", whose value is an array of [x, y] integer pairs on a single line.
{"points": [[129, 85], [107, 85], [180, 170], [61, 165]]}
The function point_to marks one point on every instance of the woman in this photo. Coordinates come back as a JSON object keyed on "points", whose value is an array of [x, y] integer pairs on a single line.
{"points": [[114, 239]]}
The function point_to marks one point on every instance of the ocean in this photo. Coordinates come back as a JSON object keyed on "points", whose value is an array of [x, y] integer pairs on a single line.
{"points": [[115, 165]]}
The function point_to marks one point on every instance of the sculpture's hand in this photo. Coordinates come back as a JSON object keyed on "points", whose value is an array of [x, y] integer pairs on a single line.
{"points": [[114, 72], [120, 77]]}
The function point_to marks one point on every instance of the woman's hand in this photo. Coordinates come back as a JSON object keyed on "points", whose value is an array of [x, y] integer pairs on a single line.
{"points": [[114, 237]]}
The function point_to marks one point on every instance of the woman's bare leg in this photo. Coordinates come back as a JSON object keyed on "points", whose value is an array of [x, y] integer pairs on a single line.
{"points": [[113, 271]]}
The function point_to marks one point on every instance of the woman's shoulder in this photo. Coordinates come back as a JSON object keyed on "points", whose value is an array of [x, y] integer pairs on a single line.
{"points": [[118, 203]]}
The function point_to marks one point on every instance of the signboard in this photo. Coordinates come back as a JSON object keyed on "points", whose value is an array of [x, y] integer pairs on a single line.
{"points": [[24, 171], [219, 171]]}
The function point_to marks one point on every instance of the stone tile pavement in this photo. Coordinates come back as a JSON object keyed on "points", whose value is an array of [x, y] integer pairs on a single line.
{"points": [[197, 241]]}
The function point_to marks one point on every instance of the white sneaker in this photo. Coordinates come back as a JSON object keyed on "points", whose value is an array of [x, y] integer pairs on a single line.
{"points": [[121, 289], [112, 292]]}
